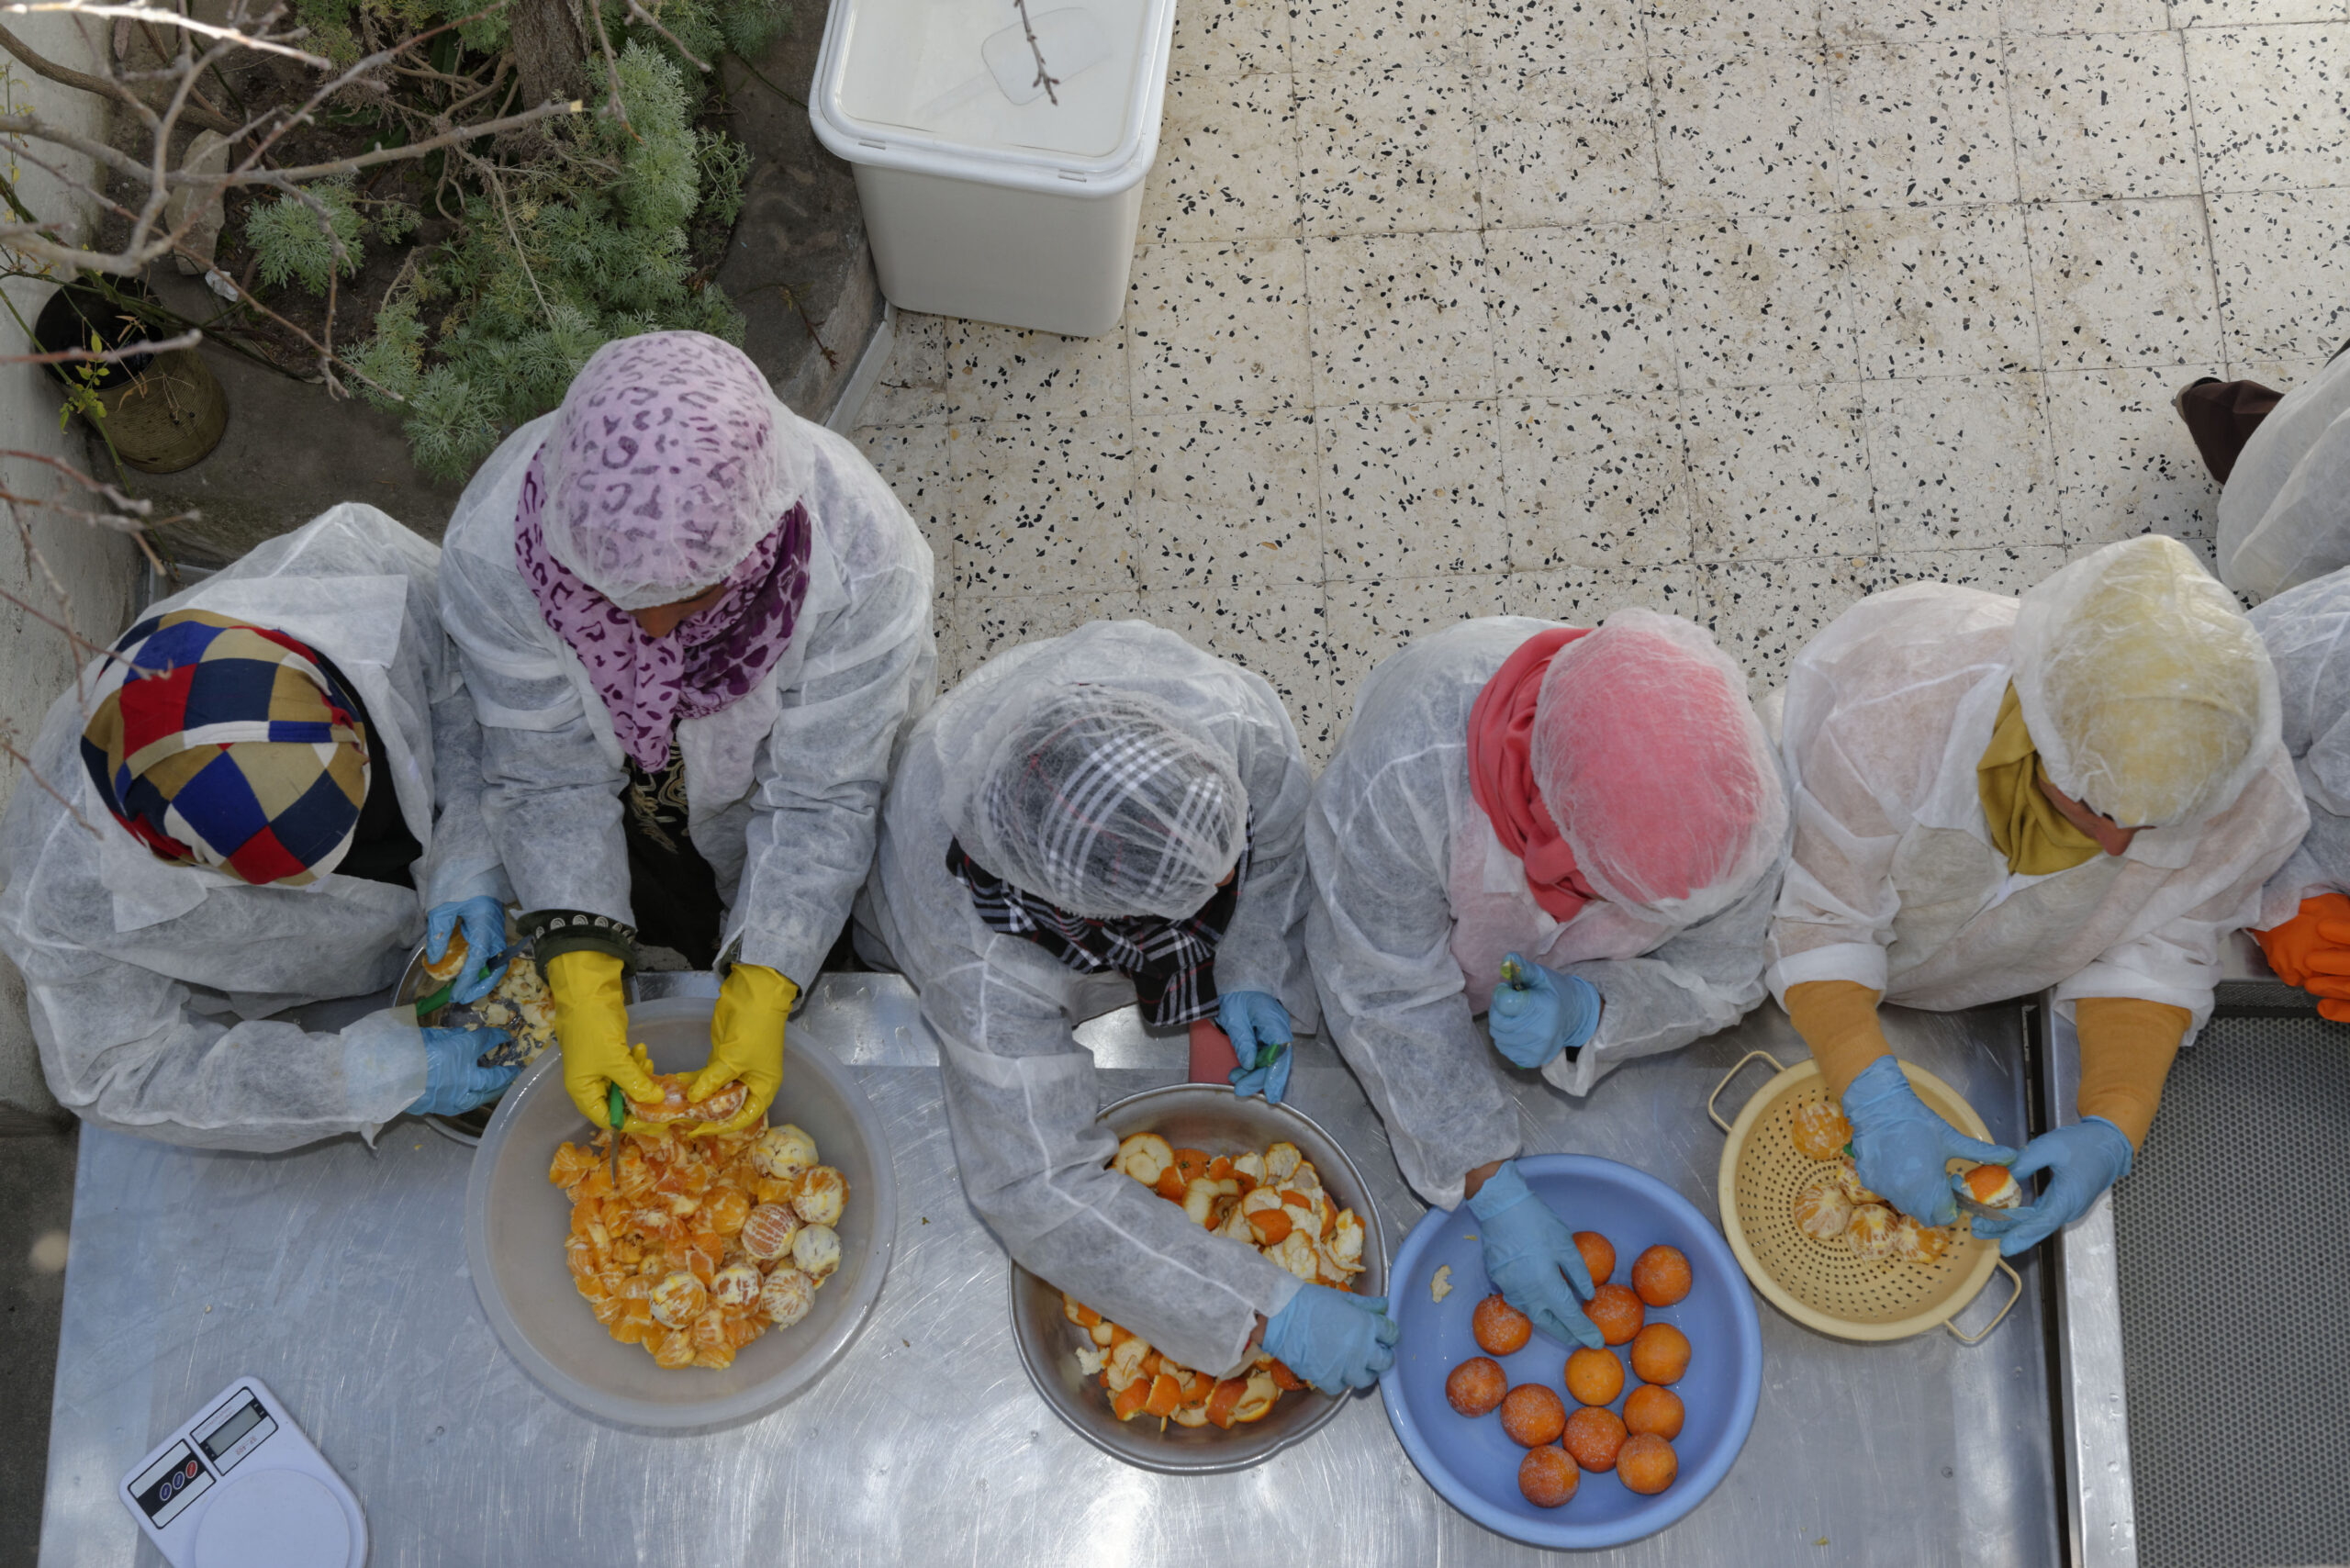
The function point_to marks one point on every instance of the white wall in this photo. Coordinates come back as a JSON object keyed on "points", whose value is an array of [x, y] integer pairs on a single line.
{"points": [[99, 571]]}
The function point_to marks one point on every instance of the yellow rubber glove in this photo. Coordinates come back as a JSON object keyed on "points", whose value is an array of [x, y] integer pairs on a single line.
{"points": [[1838, 1020], [591, 1028], [2127, 1047], [745, 1043]]}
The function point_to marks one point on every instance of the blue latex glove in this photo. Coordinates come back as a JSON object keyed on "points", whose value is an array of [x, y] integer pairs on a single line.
{"points": [[1903, 1149], [484, 919], [1531, 1258], [1544, 1013], [455, 1080], [1334, 1340], [1258, 1025], [2082, 1160]]}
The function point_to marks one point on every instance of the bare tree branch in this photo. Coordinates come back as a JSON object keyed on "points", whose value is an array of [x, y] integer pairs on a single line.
{"points": [[105, 356], [172, 20], [66, 76], [640, 14]]}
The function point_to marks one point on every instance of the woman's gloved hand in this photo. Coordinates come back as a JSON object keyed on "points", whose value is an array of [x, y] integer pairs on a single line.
{"points": [[591, 1028], [1903, 1148], [454, 1080], [1334, 1340], [1542, 1014], [746, 1043], [2312, 951], [1531, 1258], [2082, 1160], [482, 919], [1259, 1027]]}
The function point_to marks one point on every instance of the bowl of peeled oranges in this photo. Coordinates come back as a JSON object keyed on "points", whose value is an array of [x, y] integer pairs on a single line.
{"points": [[1564, 1446]]}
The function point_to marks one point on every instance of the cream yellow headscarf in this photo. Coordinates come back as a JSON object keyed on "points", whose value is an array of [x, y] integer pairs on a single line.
{"points": [[2026, 827]]}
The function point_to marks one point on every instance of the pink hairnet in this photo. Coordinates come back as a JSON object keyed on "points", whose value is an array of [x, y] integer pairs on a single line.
{"points": [[1653, 765], [667, 462]]}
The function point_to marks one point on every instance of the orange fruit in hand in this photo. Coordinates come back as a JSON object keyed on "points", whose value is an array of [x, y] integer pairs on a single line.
{"points": [[1532, 1415], [1661, 1353], [1654, 1410], [1594, 1377], [1617, 1313], [1647, 1464], [1500, 1327], [1598, 1255], [1594, 1434], [1660, 1276], [1547, 1476]]}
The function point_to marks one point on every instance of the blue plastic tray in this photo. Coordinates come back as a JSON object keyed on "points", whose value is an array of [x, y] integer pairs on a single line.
{"points": [[1470, 1462]]}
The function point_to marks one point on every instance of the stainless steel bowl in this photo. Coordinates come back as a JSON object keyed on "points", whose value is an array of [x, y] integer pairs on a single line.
{"points": [[1210, 1117]]}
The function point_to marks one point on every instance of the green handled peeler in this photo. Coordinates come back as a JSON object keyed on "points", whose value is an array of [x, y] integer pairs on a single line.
{"points": [[617, 1108]]}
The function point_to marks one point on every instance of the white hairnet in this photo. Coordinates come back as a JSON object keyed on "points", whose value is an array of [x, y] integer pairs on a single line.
{"points": [[2146, 690], [1104, 801], [1652, 763], [664, 465]]}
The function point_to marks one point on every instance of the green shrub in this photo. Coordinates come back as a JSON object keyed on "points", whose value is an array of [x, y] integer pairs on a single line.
{"points": [[291, 240]]}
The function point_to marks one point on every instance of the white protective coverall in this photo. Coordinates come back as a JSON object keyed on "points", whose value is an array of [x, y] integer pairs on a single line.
{"points": [[2285, 510], [1020, 1093], [152, 986], [783, 785], [1415, 902], [1895, 883], [2307, 630]]}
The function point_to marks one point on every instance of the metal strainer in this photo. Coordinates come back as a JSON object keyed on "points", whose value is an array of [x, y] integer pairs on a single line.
{"points": [[1823, 1286]]}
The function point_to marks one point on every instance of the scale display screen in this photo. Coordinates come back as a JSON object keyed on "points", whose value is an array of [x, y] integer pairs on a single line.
{"points": [[223, 1434], [165, 1489]]}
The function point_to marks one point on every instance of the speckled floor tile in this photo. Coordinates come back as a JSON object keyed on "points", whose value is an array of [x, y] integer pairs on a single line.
{"points": [[1219, 327], [1571, 145], [1369, 620], [916, 461], [1585, 595], [1745, 130], [2102, 115], [2272, 105], [1227, 161], [914, 381], [1231, 38], [1387, 150], [1681, 27], [2007, 569], [2123, 283], [1923, 121], [1845, 22], [1764, 612], [1328, 33], [1001, 373], [1778, 471], [1410, 490], [1962, 462], [1042, 507], [1760, 302], [1940, 291], [2025, 17], [1540, 35], [1595, 482], [2125, 464], [1399, 319], [1277, 631], [987, 623], [2284, 267], [1221, 500], [2251, 13], [1580, 311]]}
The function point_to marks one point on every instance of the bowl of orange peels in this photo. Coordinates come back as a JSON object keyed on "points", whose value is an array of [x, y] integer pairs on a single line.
{"points": [[517, 1222]]}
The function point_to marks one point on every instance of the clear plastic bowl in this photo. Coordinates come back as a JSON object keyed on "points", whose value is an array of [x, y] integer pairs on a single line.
{"points": [[516, 1222]]}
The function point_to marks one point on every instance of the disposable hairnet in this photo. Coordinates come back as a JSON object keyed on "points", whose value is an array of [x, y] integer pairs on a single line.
{"points": [[664, 465], [1104, 801], [2146, 690], [1657, 771]]}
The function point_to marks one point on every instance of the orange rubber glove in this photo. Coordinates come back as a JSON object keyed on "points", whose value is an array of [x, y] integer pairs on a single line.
{"points": [[2127, 1047], [2312, 951]]}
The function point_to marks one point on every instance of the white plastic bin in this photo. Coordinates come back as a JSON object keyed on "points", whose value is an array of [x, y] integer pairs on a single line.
{"points": [[983, 196]]}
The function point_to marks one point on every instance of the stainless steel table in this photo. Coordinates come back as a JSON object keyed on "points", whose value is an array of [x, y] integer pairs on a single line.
{"points": [[337, 1276]]}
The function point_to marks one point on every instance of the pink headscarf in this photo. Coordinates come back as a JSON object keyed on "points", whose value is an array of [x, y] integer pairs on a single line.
{"points": [[714, 656], [1501, 774]]}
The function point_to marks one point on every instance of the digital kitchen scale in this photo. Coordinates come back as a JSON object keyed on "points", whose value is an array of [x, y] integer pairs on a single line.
{"points": [[240, 1487]]}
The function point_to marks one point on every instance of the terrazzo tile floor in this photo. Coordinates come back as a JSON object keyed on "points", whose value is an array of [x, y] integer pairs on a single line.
{"points": [[1738, 308]]}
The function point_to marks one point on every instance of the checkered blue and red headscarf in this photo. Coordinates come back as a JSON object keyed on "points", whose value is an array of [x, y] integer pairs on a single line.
{"points": [[220, 743]]}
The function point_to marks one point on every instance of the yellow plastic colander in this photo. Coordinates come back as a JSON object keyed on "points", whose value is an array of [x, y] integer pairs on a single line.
{"points": [[1820, 1284]]}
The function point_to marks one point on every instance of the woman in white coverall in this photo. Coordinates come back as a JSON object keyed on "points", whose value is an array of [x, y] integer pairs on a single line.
{"points": [[695, 625], [268, 788], [1599, 810], [2306, 911], [1109, 816], [2285, 505], [2083, 788]]}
